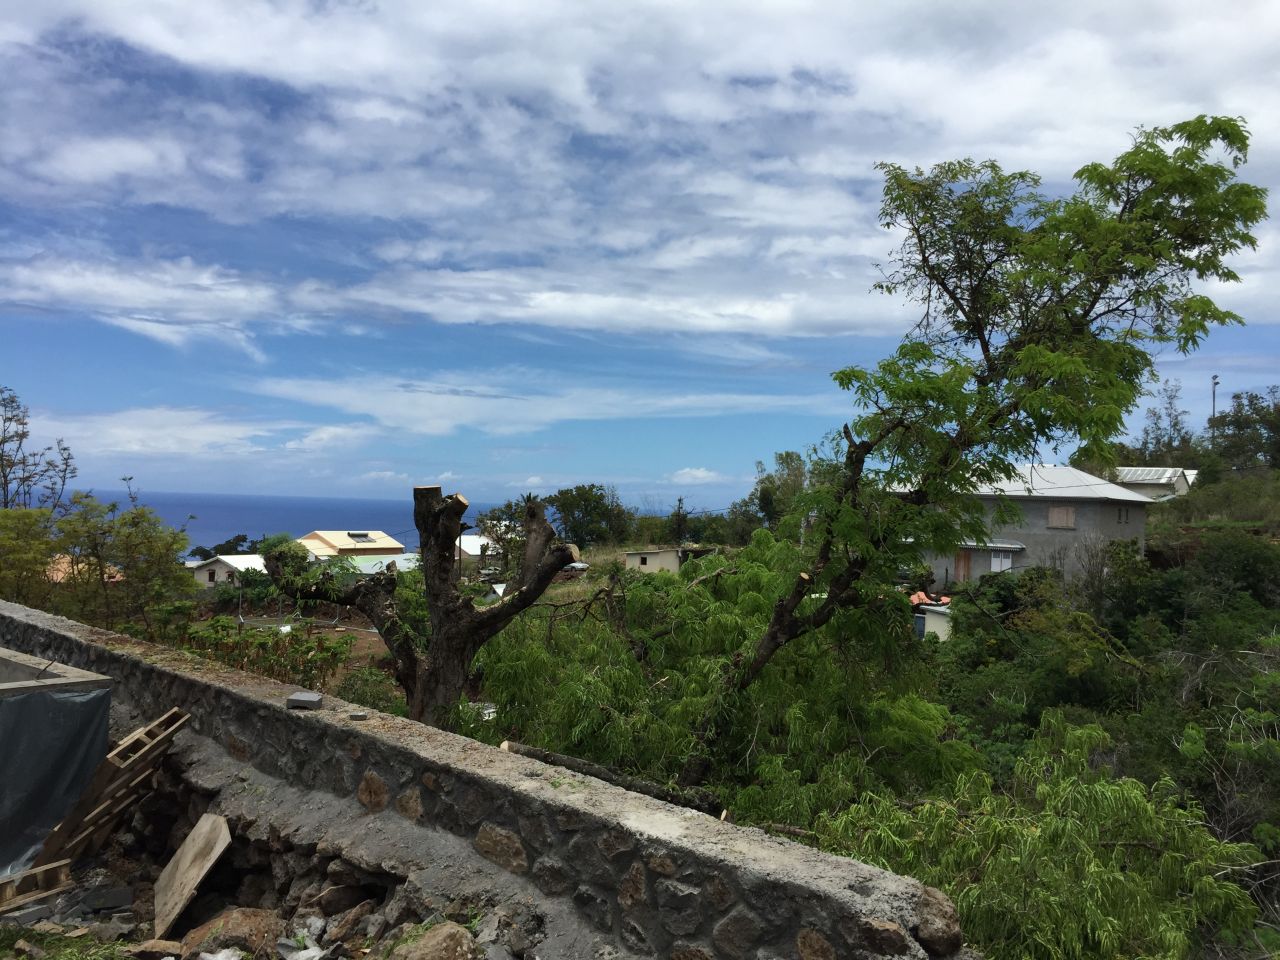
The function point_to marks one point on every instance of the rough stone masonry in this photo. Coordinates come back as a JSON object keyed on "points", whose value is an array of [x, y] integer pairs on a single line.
{"points": [[640, 877]]}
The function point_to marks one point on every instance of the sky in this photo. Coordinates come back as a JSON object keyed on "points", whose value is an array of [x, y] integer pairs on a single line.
{"points": [[343, 248]]}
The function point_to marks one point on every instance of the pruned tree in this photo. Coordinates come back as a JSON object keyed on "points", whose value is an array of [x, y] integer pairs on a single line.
{"points": [[1039, 316], [459, 628], [432, 669]]}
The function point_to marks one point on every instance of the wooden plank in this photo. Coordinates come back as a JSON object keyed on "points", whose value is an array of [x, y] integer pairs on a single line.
{"points": [[32, 897], [181, 876], [37, 879]]}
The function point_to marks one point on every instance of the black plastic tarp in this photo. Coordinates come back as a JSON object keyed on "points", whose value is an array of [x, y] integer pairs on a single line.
{"points": [[51, 741]]}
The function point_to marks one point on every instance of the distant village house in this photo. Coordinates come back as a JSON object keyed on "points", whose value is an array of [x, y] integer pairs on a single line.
{"points": [[226, 569], [350, 543], [1064, 511], [1158, 483], [663, 558]]}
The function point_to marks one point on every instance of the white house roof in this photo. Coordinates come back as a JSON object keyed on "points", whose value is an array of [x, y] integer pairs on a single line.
{"points": [[1061, 483], [403, 561], [470, 544], [240, 561], [1149, 474]]}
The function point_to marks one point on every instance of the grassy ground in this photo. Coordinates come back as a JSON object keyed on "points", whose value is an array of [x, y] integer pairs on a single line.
{"points": [[59, 947]]}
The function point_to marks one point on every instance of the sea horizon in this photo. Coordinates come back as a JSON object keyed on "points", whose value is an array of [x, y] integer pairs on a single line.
{"points": [[210, 518]]}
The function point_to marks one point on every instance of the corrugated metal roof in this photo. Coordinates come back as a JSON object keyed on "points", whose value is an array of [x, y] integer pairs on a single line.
{"points": [[1148, 474], [1062, 483]]}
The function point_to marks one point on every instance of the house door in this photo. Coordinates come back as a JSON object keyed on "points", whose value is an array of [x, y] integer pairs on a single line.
{"points": [[964, 565]]}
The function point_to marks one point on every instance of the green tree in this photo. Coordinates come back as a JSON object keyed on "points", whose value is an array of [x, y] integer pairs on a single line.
{"points": [[27, 554], [1039, 315], [590, 513], [240, 544], [1167, 439], [1247, 434], [1067, 862], [118, 563]]}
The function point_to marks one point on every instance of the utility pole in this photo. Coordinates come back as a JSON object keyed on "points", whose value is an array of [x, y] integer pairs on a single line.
{"points": [[1213, 415]]}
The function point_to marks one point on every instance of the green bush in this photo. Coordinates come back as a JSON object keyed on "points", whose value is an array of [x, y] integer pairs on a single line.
{"points": [[372, 688]]}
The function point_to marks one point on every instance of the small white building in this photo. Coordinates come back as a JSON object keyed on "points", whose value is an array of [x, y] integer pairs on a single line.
{"points": [[227, 569], [933, 618], [670, 559]]}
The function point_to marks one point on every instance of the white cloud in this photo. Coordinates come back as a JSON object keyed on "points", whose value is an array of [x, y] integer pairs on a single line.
{"points": [[661, 169], [385, 476], [162, 431], [696, 475], [513, 402], [333, 437]]}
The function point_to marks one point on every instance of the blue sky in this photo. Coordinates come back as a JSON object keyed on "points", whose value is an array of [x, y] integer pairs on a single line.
{"points": [[343, 248]]}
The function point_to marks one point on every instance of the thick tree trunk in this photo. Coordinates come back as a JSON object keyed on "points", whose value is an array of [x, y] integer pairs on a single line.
{"points": [[458, 627]]}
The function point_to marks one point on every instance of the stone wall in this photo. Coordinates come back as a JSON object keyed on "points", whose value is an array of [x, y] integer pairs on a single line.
{"points": [[657, 879]]}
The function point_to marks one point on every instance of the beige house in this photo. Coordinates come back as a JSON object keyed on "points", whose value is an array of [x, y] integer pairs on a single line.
{"points": [[226, 569], [351, 543], [663, 558]]}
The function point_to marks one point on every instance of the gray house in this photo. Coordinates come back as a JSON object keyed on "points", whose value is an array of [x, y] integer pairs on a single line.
{"points": [[1067, 516]]}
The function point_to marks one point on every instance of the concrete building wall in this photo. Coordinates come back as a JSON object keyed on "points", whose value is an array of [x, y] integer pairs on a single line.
{"points": [[650, 561], [1093, 521]]}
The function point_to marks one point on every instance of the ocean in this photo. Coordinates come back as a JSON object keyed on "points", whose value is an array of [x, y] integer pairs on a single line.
{"points": [[212, 518]]}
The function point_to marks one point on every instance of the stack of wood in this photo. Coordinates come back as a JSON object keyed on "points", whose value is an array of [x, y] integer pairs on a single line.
{"points": [[121, 780]]}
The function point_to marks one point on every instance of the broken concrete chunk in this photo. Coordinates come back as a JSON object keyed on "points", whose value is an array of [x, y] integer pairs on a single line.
{"points": [[29, 915], [108, 898], [243, 928], [154, 949], [304, 700], [448, 941], [110, 931], [28, 949], [339, 899]]}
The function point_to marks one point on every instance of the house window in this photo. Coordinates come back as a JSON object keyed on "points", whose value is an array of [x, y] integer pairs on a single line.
{"points": [[1001, 560], [1122, 514], [644, 561], [1062, 517], [213, 576], [231, 574]]}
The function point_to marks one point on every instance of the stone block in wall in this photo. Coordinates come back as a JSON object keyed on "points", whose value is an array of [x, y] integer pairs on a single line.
{"points": [[502, 847]]}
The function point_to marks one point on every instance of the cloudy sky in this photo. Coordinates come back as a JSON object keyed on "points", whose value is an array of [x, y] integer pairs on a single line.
{"points": [[340, 247]]}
